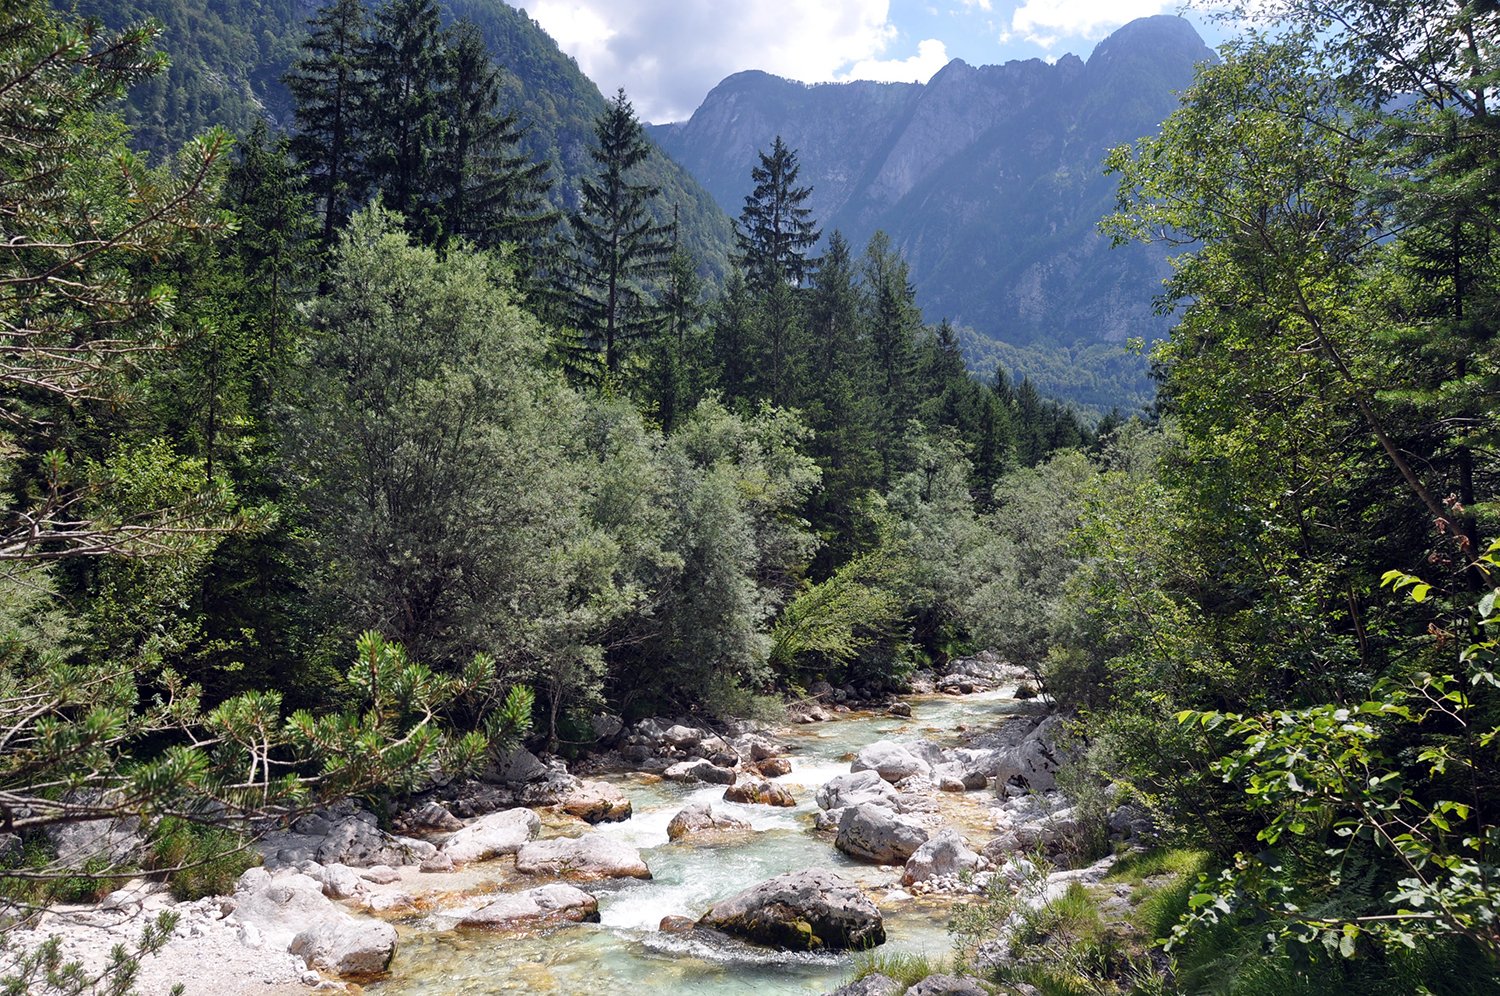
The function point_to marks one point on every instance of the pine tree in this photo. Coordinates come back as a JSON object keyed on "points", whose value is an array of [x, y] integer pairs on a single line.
{"points": [[330, 87], [678, 369], [491, 192], [616, 245], [775, 230], [405, 117], [892, 318]]}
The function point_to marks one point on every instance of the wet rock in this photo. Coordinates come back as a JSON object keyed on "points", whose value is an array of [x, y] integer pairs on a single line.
{"points": [[492, 835], [945, 854], [893, 762], [701, 820], [346, 946], [759, 792], [699, 771], [542, 906], [676, 925], [874, 833], [902, 709], [854, 789], [774, 767], [800, 911], [585, 858], [597, 802]]}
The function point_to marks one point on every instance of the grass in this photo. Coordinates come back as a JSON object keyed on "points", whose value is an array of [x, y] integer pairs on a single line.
{"points": [[1135, 868], [906, 968]]}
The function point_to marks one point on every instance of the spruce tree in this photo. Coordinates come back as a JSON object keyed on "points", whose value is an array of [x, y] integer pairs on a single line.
{"points": [[330, 87], [405, 116], [491, 192], [616, 247], [776, 230]]}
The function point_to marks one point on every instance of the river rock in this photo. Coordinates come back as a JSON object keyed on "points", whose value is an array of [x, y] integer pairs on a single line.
{"points": [[495, 834], [521, 765], [892, 762], [854, 789], [543, 906], [346, 946], [873, 984], [901, 709], [1032, 764], [340, 836], [942, 855], [288, 911], [606, 726], [432, 816], [800, 911], [339, 881], [380, 874], [757, 791], [438, 863], [701, 819], [774, 767], [874, 833], [683, 737], [587, 858], [597, 802], [676, 925], [948, 985], [699, 771]]}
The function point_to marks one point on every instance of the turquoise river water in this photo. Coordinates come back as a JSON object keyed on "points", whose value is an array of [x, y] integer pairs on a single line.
{"points": [[624, 952]]}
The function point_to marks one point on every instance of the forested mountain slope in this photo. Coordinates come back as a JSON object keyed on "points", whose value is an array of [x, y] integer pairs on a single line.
{"points": [[228, 57]]}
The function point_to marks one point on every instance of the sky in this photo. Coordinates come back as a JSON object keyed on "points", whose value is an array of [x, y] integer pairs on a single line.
{"points": [[668, 54]]}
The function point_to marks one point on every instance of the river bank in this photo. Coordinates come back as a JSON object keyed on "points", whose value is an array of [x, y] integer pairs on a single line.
{"points": [[414, 895]]}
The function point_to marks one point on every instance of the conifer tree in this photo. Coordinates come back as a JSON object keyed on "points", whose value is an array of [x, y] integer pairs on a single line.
{"points": [[776, 230], [491, 192], [617, 247], [330, 87], [892, 318], [405, 116]]}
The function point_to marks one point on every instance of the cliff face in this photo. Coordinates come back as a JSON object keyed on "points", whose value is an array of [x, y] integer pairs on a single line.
{"points": [[988, 178]]}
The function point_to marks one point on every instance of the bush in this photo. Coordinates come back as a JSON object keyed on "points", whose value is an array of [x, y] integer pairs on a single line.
{"points": [[198, 861]]}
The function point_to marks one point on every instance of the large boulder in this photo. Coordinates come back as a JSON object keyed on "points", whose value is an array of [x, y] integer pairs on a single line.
{"points": [[758, 791], [353, 948], [341, 835], [493, 835], [699, 771], [597, 802], [807, 910], [941, 856], [683, 737], [288, 911], [521, 765], [773, 767], [874, 833], [701, 820], [855, 789], [543, 906], [892, 762], [587, 858], [1032, 764]]}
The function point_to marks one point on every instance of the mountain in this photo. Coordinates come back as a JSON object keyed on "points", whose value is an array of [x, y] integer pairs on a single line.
{"points": [[987, 178], [228, 57]]}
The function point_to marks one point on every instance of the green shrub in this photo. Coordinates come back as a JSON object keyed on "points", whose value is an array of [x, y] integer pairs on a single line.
{"points": [[197, 860]]}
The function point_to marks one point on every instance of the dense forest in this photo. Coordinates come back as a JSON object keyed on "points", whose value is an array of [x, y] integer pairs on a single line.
{"points": [[342, 456]]}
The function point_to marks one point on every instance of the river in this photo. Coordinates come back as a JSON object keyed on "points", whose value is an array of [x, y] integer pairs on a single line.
{"points": [[625, 953]]}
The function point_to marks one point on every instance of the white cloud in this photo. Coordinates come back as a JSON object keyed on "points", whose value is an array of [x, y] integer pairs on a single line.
{"points": [[931, 56], [667, 56], [1043, 22]]}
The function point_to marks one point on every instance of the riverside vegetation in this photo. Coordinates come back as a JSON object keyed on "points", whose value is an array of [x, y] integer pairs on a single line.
{"points": [[340, 464]]}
